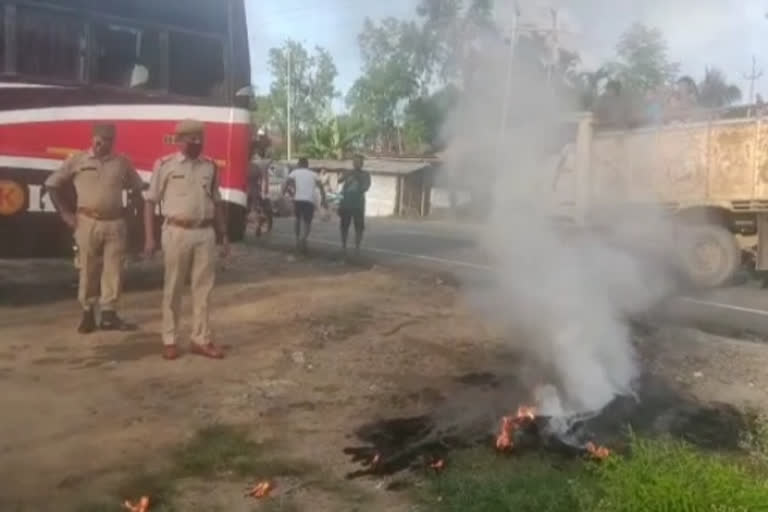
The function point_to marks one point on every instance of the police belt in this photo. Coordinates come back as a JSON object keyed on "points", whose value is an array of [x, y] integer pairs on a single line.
{"points": [[189, 224], [94, 214]]}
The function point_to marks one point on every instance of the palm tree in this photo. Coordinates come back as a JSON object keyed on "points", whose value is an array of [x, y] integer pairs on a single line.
{"points": [[334, 139], [715, 91]]}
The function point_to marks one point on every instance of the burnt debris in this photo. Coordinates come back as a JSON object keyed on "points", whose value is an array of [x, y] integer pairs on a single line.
{"points": [[420, 442]]}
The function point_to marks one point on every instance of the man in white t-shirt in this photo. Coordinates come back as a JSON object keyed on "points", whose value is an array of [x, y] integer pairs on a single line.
{"points": [[303, 181]]}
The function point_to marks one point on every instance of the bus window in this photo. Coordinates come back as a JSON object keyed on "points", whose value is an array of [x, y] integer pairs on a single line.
{"points": [[49, 44], [196, 66], [126, 57]]}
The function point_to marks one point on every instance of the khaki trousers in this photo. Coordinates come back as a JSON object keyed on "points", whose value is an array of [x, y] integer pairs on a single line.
{"points": [[188, 251], [101, 252]]}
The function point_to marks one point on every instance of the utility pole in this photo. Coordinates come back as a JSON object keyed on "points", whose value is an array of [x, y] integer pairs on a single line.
{"points": [[555, 44], [512, 44], [288, 107], [752, 77]]}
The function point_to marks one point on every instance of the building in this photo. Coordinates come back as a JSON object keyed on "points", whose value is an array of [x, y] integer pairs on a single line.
{"points": [[399, 186]]}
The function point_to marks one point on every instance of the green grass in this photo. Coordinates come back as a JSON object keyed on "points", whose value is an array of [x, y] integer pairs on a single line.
{"points": [[670, 475], [480, 481], [659, 475], [216, 452]]}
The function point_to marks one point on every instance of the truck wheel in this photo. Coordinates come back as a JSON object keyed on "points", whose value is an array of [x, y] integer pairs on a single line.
{"points": [[710, 255]]}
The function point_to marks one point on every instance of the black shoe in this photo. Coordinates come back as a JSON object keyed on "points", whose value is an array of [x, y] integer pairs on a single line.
{"points": [[111, 322], [87, 323]]}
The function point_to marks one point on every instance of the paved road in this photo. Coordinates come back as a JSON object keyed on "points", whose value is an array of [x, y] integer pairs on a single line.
{"points": [[451, 246]]}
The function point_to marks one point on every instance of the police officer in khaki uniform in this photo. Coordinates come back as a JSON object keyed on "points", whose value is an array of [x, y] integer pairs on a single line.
{"points": [[99, 177], [186, 185]]}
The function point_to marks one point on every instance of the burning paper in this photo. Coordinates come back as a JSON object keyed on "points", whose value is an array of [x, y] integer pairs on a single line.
{"points": [[438, 465], [260, 490], [141, 506], [597, 452]]}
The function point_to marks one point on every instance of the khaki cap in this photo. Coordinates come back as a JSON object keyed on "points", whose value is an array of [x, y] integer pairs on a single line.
{"points": [[105, 130], [190, 127]]}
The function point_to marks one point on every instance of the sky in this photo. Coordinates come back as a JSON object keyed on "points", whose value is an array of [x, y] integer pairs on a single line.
{"points": [[719, 33]]}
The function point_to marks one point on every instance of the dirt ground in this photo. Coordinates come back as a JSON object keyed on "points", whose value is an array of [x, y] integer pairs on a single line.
{"points": [[315, 349]]}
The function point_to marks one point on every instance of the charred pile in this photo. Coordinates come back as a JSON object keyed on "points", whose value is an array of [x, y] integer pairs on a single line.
{"points": [[425, 442]]}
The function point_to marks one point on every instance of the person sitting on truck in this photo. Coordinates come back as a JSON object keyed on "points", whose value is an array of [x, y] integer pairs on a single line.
{"points": [[99, 177]]}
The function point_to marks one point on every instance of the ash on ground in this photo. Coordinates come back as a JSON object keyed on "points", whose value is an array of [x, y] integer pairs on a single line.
{"points": [[471, 417]]}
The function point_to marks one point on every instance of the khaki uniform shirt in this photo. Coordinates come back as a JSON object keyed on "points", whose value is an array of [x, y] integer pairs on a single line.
{"points": [[187, 188], [99, 182]]}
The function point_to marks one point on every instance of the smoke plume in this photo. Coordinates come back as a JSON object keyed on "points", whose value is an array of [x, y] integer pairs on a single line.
{"points": [[562, 297]]}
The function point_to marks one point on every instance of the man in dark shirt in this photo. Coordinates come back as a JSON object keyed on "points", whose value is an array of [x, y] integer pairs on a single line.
{"points": [[355, 184]]}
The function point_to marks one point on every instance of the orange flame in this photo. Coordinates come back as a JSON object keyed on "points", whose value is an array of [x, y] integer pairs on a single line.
{"points": [[141, 506], [510, 424], [597, 452], [438, 465], [504, 439], [526, 412], [260, 490]]}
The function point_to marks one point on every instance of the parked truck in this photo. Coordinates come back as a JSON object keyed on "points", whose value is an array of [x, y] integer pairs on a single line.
{"points": [[708, 178]]}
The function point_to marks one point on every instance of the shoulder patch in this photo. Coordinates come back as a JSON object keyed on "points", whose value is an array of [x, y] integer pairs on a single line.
{"points": [[77, 157]]}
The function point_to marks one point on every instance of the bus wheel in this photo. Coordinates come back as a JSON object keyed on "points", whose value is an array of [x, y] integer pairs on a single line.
{"points": [[710, 255], [237, 218]]}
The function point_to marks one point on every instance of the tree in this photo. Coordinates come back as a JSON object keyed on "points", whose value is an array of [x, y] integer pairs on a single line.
{"points": [[312, 86], [643, 63], [393, 73], [715, 91], [403, 61], [450, 29], [588, 86], [262, 112], [335, 138], [424, 118]]}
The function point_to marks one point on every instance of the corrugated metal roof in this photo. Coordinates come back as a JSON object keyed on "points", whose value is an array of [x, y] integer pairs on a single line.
{"points": [[373, 165]]}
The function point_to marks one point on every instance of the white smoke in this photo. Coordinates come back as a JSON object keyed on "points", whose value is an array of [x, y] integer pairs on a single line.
{"points": [[563, 298]]}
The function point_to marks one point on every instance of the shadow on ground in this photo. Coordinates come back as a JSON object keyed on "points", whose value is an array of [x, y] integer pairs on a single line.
{"points": [[34, 282]]}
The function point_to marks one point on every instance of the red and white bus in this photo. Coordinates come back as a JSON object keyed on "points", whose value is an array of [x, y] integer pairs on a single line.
{"points": [[140, 64]]}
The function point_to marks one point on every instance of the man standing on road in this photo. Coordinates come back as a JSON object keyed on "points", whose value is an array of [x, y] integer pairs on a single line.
{"points": [[99, 177], [259, 203], [304, 182], [355, 185], [187, 186]]}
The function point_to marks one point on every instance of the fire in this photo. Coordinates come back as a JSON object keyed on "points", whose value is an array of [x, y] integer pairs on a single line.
{"points": [[525, 412], [438, 465], [141, 506], [597, 452], [504, 439], [260, 490], [510, 424]]}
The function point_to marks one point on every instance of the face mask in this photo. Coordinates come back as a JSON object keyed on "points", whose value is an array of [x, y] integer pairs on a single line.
{"points": [[194, 149]]}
